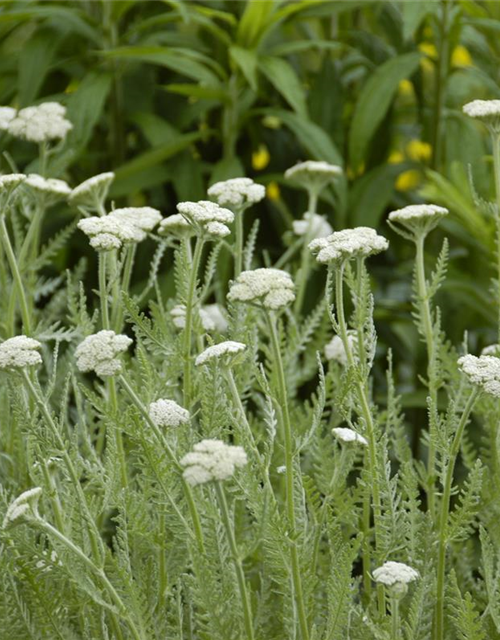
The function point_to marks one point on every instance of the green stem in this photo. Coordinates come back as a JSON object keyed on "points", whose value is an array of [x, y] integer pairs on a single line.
{"points": [[496, 167], [53, 495], [238, 249], [240, 575], [16, 275], [163, 441], [190, 302], [98, 571], [305, 260], [362, 394], [103, 290], [162, 565], [440, 86], [425, 313], [445, 508], [290, 502], [395, 635]]}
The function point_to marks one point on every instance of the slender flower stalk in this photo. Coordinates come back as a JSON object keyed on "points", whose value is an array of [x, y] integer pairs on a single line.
{"points": [[18, 281], [290, 502], [395, 624], [305, 258], [445, 509], [238, 566]]}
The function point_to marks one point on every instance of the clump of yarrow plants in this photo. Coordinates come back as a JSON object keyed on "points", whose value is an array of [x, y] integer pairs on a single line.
{"points": [[217, 465]]}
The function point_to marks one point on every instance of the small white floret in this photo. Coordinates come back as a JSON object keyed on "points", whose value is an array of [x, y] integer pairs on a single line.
{"points": [[47, 186], [418, 217], [167, 413], [224, 351], [349, 435], [40, 123], [483, 372], [269, 288], [207, 217], [212, 460], [486, 110], [237, 192], [99, 352], [347, 244], [19, 352], [145, 218], [395, 573], [313, 174]]}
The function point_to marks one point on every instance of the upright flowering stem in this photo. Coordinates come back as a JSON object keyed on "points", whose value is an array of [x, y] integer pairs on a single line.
{"points": [[425, 313], [238, 249], [395, 631], [306, 254], [495, 137], [103, 289], [16, 275], [240, 575], [198, 532], [290, 503], [188, 328], [365, 412], [445, 509]]}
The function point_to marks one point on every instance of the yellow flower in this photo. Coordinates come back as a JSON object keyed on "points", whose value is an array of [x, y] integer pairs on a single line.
{"points": [[352, 173], [273, 191], [429, 49], [419, 151], [271, 122], [461, 57], [395, 157], [260, 158], [406, 88], [408, 180]]}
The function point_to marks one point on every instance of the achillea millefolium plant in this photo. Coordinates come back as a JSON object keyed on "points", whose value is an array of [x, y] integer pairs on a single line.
{"points": [[228, 458]]}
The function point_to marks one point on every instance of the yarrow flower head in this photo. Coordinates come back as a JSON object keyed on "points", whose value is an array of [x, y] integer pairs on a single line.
{"points": [[335, 350], [91, 194], [491, 350], [49, 189], [417, 218], [176, 225], [312, 174], [110, 232], [488, 111], [228, 353], [349, 436], [144, 218], [41, 123], [268, 288], [7, 114], [8, 184], [483, 372], [237, 192], [212, 460], [208, 218], [167, 413], [396, 576], [22, 508], [178, 315], [347, 244], [216, 315], [19, 352], [312, 226], [99, 352]]}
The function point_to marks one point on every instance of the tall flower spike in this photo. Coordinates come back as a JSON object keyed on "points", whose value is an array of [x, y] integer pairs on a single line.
{"points": [[19, 352], [417, 218], [91, 194], [212, 460], [100, 353], [237, 192], [396, 576], [167, 413], [22, 508], [208, 218], [41, 123], [488, 111], [348, 244], [228, 353], [483, 372], [313, 174], [268, 288]]}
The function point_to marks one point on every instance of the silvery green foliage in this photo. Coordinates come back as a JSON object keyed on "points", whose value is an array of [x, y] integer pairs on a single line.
{"points": [[131, 509]]}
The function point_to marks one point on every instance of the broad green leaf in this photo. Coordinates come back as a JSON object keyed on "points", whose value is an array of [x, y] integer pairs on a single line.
{"points": [[371, 194], [246, 60], [374, 101], [156, 130], [298, 46], [198, 91], [254, 22], [313, 138], [283, 77], [34, 63], [72, 18], [413, 14], [174, 60]]}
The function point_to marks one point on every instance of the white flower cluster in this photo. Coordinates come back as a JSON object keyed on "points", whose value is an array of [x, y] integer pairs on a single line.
{"points": [[8, 184], [23, 506], [335, 350], [269, 288], [167, 413], [360, 242], [418, 217], [7, 114], [176, 225], [207, 217], [210, 315], [121, 226], [313, 174], [50, 188], [312, 225], [491, 350], [237, 192], [349, 435], [212, 460], [483, 372], [19, 352], [486, 110], [396, 576], [99, 352], [41, 123], [91, 193], [227, 352]]}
